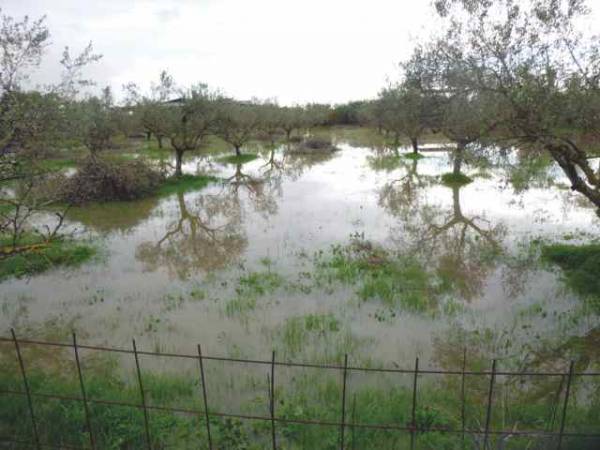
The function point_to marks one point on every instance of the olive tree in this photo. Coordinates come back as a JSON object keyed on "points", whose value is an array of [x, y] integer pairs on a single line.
{"points": [[189, 121], [269, 121], [403, 109], [542, 74], [149, 108], [31, 120], [95, 121], [291, 119], [236, 123]]}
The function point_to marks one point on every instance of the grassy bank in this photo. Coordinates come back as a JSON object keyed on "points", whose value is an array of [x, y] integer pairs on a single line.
{"points": [[33, 256]]}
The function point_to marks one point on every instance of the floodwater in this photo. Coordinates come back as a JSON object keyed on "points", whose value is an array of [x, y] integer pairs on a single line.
{"points": [[169, 268]]}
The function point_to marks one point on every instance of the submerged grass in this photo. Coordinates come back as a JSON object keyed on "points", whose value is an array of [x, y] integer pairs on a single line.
{"points": [[396, 280], [249, 289], [185, 183], [36, 256]]}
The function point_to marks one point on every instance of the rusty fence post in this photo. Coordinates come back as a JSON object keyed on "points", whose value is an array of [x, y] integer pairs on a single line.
{"points": [[342, 424], [413, 420], [563, 419], [84, 400], [272, 401], [462, 396], [488, 416], [204, 396], [142, 395], [27, 390]]}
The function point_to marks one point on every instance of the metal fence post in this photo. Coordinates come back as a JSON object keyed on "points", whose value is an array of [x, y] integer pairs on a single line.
{"points": [[565, 405], [27, 391], [272, 401], [462, 396], [413, 421], [204, 397], [342, 424], [83, 395], [488, 416], [143, 395]]}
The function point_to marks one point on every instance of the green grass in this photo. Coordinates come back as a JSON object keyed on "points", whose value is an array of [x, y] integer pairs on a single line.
{"points": [[60, 253], [580, 265], [396, 280], [57, 164], [456, 179], [301, 394], [185, 183], [238, 159], [249, 289], [259, 283], [413, 155]]}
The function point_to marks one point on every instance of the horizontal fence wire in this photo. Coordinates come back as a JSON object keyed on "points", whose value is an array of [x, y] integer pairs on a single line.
{"points": [[268, 362], [341, 425]]}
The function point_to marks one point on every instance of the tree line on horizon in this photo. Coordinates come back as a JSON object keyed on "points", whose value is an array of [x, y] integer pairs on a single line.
{"points": [[504, 72]]}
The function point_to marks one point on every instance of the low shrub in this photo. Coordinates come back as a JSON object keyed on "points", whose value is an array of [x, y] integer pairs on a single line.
{"points": [[314, 145], [104, 180]]}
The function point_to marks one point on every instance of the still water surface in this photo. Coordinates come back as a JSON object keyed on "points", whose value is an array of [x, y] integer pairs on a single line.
{"points": [[170, 267]]}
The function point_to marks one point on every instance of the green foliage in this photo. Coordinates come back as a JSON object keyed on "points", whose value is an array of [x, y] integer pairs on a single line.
{"points": [[238, 159], [41, 257], [456, 179], [396, 280], [185, 183], [580, 264], [259, 283]]}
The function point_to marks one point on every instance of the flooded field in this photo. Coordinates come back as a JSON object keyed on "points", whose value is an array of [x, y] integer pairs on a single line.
{"points": [[365, 252], [263, 259]]}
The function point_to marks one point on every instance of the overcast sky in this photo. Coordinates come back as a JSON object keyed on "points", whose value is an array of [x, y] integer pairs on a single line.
{"points": [[292, 50]]}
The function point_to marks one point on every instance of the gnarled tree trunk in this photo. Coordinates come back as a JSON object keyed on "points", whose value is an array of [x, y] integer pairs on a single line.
{"points": [[178, 162], [575, 165]]}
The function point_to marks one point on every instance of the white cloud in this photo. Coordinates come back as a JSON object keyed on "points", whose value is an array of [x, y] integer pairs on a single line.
{"points": [[295, 50]]}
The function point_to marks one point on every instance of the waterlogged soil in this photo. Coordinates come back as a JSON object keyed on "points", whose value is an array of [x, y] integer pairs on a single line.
{"points": [[298, 253]]}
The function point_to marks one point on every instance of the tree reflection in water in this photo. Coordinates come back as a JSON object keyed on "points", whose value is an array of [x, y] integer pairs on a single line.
{"points": [[209, 232], [462, 249]]}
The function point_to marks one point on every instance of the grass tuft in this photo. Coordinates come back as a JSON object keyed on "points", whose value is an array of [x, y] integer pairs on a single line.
{"points": [[456, 179], [185, 183], [238, 159], [413, 155]]}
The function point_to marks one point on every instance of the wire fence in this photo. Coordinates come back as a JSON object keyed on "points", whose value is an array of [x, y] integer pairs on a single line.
{"points": [[487, 432]]}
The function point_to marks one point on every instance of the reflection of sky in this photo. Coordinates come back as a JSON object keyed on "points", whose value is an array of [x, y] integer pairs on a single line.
{"points": [[315, 207]]}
